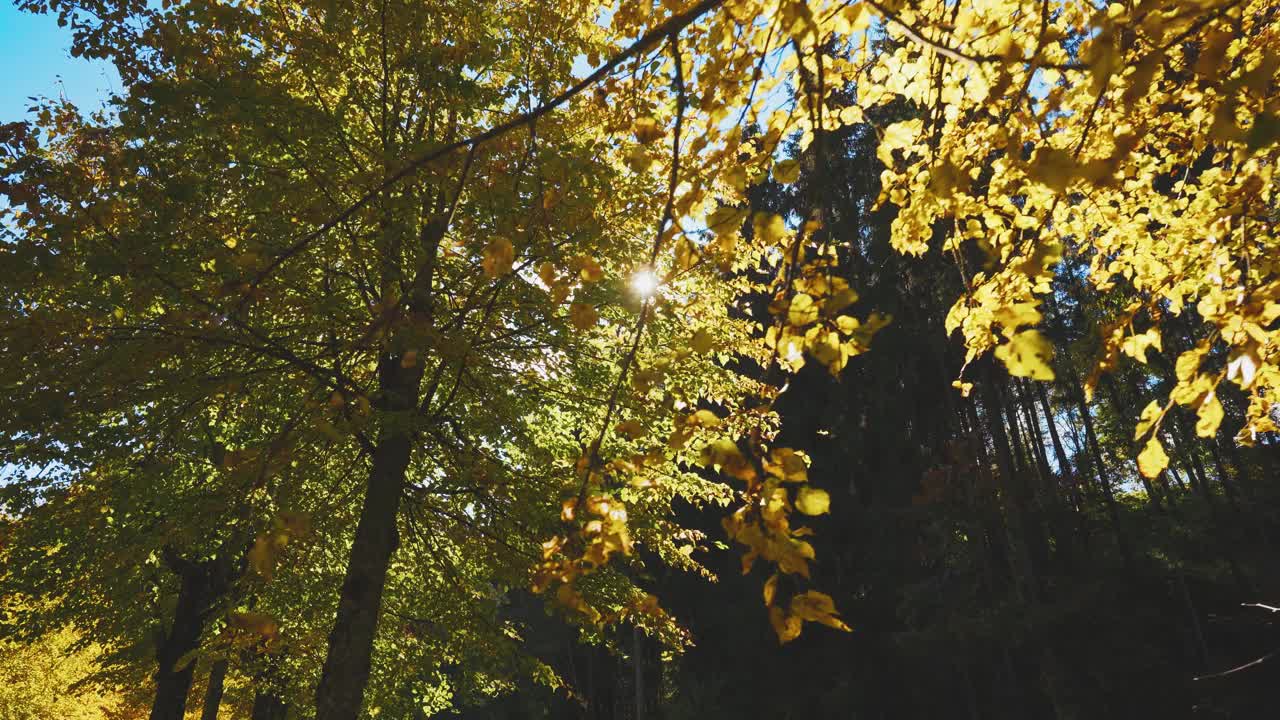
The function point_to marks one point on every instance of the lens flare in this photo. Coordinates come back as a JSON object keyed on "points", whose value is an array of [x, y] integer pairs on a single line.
{"points": [[645, 283]]}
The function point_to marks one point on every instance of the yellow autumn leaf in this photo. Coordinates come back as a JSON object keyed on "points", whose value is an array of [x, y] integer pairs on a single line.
{"points": [[802, 310], [639, 160], [1135, 346], [787, 171], [851, 115], [583, 316], [1188, 363], [647, 130], [701, 342], [770, 589], [262, 556], [550, 198], [786, 625], [814, 606], [813, 501], [1150, 414], [686, 254], [255, 623], [499, 256], [704, 418], [1152, 460], [547, 273], [768, 227], [726, 220], [588, 269], [630, 428], [787, 464], [724, 454], [897, 136], [1027, 354], [1209, 416]]}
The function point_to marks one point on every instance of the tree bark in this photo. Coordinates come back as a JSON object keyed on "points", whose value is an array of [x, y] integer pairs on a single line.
{"points": [[1035, 438], [637, 662], [213, 693], [346, 668], [202, 584], [1069, 476]]}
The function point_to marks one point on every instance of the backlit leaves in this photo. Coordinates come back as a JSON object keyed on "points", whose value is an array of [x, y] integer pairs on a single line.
{"points": [[583, 316], [813, 501], [498, 257], [1027, 354], [1152, 460]]}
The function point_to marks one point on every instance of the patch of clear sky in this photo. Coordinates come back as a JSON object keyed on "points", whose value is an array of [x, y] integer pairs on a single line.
{"points": [[35, 60]]}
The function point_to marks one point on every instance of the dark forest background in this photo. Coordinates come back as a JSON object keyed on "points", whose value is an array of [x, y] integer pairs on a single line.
{"points": [[998, 555]]}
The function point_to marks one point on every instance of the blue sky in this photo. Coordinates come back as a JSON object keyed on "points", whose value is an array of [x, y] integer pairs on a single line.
{"points": [[35, 59]]}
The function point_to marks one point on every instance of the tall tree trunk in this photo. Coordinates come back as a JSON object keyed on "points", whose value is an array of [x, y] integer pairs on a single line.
{"points": [[346, 667], [1035, 438], [202, 584], [213, 693], [1012, 490], [1014, 433], [1064, 528], [1113, 510], [994, 531], [174, 683], [1069, 477], [637, 662]]}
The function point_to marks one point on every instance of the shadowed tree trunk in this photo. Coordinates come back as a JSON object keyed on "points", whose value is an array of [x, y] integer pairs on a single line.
{"points": [[1069, 476], [203, 583], [1113, 510], [213, 694]]}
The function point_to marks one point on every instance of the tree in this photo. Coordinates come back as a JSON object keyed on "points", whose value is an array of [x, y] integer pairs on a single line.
{"points": [[43, 679], [401, 238]]}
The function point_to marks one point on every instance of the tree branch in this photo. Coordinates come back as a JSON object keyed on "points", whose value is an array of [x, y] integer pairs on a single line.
{"points": [[670, 28]]}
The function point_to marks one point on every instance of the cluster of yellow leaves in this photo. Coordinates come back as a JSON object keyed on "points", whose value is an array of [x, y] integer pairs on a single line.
{"points": [[763, 525], [42, 679], [602, 531], [1148, 149], [809, 606], [811, 321], [1151, 153]]}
